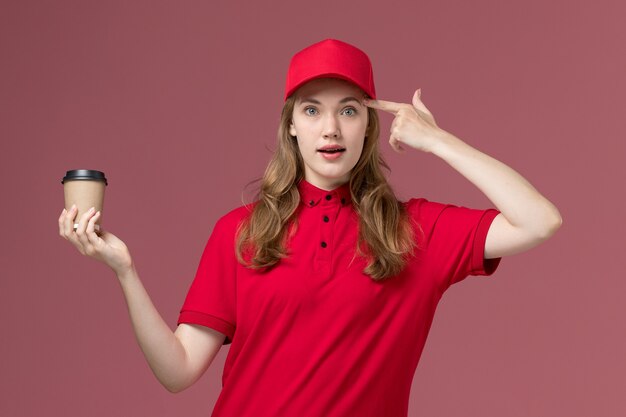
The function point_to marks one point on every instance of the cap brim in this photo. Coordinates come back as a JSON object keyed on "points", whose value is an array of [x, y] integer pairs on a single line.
{"points": [[325, 75]]}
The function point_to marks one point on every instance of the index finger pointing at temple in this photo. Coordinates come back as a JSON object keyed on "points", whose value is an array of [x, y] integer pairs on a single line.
{"points": [[389, 106]]}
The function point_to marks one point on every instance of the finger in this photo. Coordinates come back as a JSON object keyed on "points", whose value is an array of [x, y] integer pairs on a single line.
{"points": [[416, 99], [393, 137], [68, 227], [99, 231], [94, 239], [388, 106], [417, 102], [82, 227], [62, 222], [393, 125], [70, 232], [395, 144]]}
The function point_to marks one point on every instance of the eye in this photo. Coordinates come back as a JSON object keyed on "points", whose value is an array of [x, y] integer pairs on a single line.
{"points": [[306, 110], [350, 111]]}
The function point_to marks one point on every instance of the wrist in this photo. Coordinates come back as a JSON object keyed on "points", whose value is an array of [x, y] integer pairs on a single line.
{"points": [[125, 272], [444, 143]]}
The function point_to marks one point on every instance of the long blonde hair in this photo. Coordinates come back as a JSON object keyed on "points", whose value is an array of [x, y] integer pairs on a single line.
{"points": [[386, 236]]}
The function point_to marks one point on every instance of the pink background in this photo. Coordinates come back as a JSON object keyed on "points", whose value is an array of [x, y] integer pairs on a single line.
{"points": [[178, 103]]}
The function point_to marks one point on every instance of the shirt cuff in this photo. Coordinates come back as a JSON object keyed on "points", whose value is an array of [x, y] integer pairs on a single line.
{"points": [[480, 265], [195, 317]]}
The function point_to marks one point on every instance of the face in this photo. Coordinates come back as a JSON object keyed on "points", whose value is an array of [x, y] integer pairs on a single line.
{"points": [[328, 115]]}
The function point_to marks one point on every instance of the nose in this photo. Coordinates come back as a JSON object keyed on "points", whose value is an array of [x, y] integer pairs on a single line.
{"points": [[331, 127]]}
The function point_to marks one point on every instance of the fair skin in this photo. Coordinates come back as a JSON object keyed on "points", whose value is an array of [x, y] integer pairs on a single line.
{"points": [[329, 112], [526, 217], [179, 358]]}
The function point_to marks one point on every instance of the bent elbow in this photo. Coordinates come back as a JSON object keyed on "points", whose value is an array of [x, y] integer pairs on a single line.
{"points": [[557, 224], [552, 228], [174, 388]]}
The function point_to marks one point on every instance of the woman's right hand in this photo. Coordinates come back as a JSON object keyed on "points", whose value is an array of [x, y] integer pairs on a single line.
{"points": [[103, 246]]}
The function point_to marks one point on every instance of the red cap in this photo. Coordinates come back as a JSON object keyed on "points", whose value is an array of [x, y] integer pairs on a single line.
{"points": [[331, 58]]}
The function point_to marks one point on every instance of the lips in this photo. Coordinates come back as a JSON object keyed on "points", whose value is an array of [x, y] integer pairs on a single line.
{"points": [[331, 149]]}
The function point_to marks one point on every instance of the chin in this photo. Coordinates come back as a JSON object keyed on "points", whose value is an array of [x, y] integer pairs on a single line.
{"points": [[334, 175], [337, 178]]}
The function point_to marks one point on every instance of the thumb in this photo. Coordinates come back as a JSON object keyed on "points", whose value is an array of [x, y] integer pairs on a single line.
{"points": [[417, 101]]}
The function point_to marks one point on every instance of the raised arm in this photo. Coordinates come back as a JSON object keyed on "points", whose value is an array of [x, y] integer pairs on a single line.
{"points": [[178, 358], [527, 218]]}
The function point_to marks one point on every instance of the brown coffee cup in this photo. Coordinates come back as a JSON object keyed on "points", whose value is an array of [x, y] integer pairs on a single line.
{"points": [[85, 188]]}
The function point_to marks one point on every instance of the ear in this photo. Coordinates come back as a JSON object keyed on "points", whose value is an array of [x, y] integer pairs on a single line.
{"points": [[292, 129]]}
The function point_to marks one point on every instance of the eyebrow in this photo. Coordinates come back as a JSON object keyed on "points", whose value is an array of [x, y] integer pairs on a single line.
{"points": [[312, 100]]}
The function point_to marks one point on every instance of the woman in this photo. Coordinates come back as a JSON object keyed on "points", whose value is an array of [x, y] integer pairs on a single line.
{"points": [[326, 286]]}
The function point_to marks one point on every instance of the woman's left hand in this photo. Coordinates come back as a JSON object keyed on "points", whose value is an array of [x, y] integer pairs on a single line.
{"points": [[414, 125]]}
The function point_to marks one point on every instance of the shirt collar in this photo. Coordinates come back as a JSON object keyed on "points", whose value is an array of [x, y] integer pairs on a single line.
{"points": [[311, 196]]}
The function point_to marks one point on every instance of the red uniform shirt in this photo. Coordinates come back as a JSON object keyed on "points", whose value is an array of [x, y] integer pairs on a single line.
{"points": [[317, 337]]}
